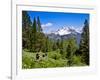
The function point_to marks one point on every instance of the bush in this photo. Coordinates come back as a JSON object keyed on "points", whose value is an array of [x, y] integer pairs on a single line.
{"points": [[76, 61], [28, 60], [55, 55], [54, 59]]}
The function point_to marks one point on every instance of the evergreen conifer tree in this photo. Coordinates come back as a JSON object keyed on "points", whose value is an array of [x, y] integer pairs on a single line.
{"points": [[84, 44], [39, 28]]}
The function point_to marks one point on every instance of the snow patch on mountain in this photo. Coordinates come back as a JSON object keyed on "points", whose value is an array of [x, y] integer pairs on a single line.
{"points": [[67, 30], [63, 31]]}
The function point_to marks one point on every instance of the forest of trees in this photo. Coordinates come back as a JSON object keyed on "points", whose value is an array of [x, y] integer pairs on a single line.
{"points": [[60, 53]]}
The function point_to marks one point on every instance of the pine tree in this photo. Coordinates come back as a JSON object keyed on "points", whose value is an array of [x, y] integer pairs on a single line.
{"points": [[26, 22], [41, 42], [47, 44], [39, 28], [70, 50], [58, 44], [54, 46], [61, 44], [26, 25], [50, 45], [84, 44], [34, 26], [33, 36], [39, 38], [69, 54], [61, 47]]}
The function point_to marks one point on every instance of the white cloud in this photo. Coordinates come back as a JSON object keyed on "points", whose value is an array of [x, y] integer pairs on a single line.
{"points": [[46, 25]]}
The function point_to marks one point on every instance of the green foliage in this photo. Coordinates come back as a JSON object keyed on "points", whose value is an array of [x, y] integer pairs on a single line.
{"points": [[84, 45], [39, 28], [58, 44], [29, 61], [76, 61], [55, 55], [26, 22], [33, 37], [26, 25], [70, 50], [54, 59], [54, 46]]}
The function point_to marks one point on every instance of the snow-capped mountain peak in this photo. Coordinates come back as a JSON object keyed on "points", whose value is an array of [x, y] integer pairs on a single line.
{"points": [[66, 30], [66, 33]]}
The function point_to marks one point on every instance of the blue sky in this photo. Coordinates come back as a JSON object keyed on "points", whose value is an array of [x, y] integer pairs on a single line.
{"points": [[51, 21]]}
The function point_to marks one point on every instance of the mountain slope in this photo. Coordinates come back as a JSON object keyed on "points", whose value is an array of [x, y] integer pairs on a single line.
{"points": [[65, 33]]}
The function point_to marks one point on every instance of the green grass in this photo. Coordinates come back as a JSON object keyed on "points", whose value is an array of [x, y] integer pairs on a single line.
{"points": [[53, 59]]}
